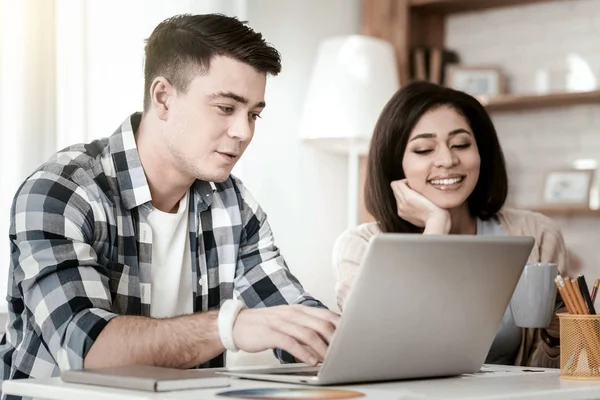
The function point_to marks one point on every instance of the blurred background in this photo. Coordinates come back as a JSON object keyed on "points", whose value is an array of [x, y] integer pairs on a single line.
{"points": [[72, 70]]}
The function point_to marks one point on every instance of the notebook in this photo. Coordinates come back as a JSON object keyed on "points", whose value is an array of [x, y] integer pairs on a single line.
{"points": [[145, 377]]}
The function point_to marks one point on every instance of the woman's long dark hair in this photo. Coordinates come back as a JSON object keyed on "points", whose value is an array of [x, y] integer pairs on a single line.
{"points": [[388, 144]]}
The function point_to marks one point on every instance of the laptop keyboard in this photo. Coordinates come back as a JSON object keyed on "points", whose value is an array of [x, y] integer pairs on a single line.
{"points": [[296, 373]]}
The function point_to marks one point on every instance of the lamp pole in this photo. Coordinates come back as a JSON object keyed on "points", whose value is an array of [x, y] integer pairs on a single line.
{"points": [[353, 184]]}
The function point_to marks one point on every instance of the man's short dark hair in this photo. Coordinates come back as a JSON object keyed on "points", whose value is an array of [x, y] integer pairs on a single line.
{"points": [[183, 46]]}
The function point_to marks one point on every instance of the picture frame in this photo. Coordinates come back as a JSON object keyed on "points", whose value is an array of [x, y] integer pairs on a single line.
{"points": [[568, 188], [477, 81]]}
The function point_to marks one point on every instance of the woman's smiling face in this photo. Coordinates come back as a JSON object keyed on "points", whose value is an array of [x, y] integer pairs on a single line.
{"points": [[441, 160]]}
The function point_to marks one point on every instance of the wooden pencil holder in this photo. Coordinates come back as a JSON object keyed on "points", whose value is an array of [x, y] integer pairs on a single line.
{"points": [[579, 346]]}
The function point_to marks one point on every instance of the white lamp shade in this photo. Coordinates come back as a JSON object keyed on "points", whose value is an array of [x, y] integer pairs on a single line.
{"points": [[353, 78]]}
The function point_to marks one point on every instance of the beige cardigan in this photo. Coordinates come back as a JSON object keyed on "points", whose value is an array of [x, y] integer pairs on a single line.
{"points": [[549, 246]]}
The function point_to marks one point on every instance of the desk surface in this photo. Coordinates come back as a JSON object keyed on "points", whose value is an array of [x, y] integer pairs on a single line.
{"points": [[497, 382]]}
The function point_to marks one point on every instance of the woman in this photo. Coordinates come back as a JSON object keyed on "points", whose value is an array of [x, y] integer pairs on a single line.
{"points": [[436, 167]]}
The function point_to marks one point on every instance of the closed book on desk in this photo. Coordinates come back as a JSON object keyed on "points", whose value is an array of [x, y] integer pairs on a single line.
{"points": [[145, 377]]}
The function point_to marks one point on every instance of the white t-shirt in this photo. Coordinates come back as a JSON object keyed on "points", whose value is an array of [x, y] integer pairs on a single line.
{"points": [[171, 262]]}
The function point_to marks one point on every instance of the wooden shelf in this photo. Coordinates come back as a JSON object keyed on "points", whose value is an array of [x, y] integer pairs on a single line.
{"points": [[518, 103], [456, 6], [566, 211]]}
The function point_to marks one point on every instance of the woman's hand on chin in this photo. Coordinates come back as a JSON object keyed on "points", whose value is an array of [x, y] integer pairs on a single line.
{"points": [[419, 211]]}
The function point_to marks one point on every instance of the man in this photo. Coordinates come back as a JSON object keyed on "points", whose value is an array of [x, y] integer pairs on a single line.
{"points": [[127, 250]]}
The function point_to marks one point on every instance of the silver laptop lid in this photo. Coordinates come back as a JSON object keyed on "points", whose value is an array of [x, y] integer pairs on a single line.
{"points": [[425, 305]]}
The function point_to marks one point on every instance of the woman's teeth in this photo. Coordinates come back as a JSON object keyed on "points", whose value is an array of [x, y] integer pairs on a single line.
{"points": [[446, 181]]}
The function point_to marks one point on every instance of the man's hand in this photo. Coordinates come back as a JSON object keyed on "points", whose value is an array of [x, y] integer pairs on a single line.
{"points": [[418, 210], [304, 332]]}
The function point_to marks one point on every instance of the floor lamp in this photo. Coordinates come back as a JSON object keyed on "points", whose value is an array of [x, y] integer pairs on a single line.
{"points": [[352, 79]]}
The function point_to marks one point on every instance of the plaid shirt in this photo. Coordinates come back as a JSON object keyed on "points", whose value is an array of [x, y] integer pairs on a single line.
{"points": [[81, 252]]}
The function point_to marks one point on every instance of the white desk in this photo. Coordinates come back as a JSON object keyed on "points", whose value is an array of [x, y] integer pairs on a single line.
{"points": [[500, 383]]}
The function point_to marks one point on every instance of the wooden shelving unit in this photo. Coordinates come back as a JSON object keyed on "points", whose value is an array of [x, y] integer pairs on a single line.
{"points": [[410, 23], [518, 103]]}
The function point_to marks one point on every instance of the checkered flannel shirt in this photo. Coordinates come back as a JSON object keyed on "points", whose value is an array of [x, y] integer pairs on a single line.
{"points": [[81, 251]]}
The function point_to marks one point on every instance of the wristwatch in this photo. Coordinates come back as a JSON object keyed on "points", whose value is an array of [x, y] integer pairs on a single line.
{"points": [[549, 340], [225, 321]]}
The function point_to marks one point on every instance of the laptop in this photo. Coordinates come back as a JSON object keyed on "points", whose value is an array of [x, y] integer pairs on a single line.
{"points": [[421, 306]]}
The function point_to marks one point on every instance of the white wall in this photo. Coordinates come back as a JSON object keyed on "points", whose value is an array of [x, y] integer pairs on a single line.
{"points": [[303, 190], [522, 40]]}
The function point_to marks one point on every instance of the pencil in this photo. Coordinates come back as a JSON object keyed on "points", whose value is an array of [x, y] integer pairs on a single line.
{"points": [[583, 287], [564, 294], [575, 301], [579, 297], [595, 290]]}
